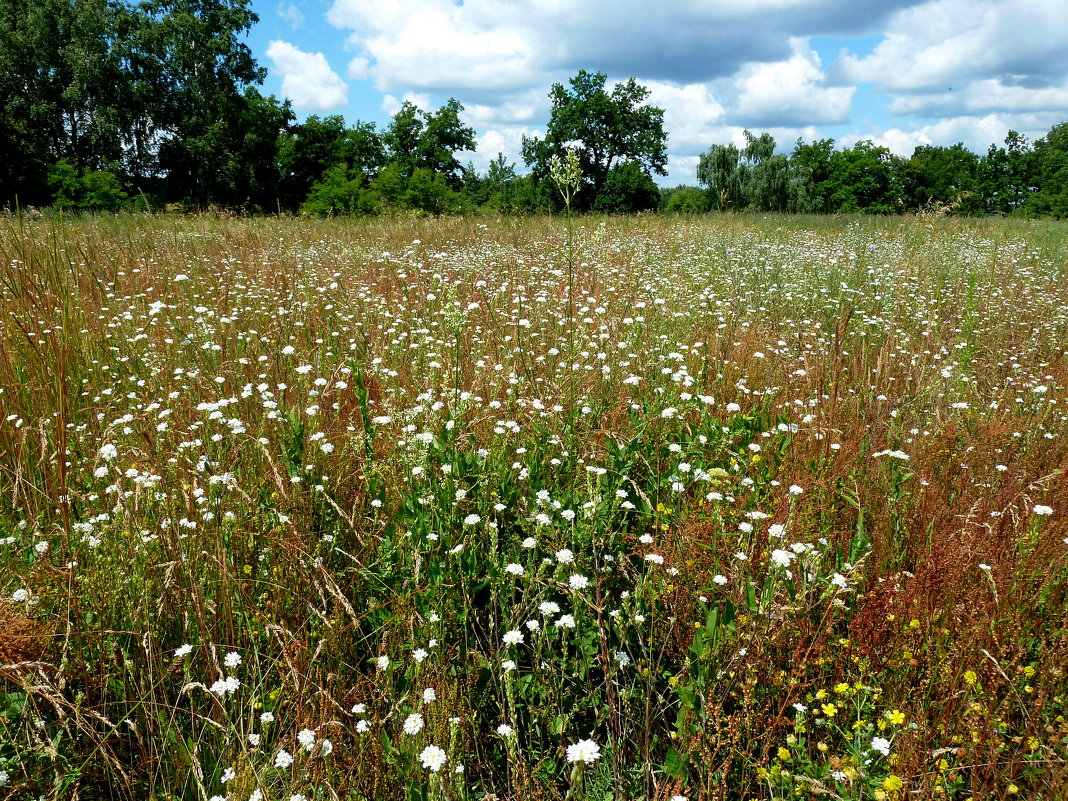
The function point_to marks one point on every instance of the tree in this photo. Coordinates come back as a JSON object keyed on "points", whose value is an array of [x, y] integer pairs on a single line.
{"points": [[62, 91], [685, 200], [765, 174], [1050, 175], [607, 129], [443, 135], [321, 144], [862, 179], [418, 139], [188, 59], [944, 176], [627, 188], [810, 168], [81, 189], [721, 170]]}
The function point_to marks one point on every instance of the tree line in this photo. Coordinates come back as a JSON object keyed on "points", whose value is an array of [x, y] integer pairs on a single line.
{"points": [[1022, 178], [108, 104]]}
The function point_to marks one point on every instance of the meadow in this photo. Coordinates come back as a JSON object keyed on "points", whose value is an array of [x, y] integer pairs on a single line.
{"points": [[472, 508]]}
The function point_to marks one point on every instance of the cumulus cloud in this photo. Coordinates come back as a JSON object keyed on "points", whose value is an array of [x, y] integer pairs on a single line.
{"points": [[391, 105], [291, 14], [951, 70], [986, 95], [791, 92], [977, 133], [691, 111], [307, 79], [493, 46], [946, 44]]}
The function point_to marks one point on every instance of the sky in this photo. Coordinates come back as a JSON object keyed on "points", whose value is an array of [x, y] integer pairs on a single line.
{"points": [[899, 72]]}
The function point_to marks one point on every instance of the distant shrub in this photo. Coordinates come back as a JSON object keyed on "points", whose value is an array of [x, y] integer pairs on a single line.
{"points": [[687, 200], [82, 189], [338, 193]]}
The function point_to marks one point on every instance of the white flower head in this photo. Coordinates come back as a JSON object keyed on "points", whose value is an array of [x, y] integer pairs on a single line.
{"points": [[306, 737], [781, 557], [433, 758], [413, 724], [586, 751], [548, 607]]}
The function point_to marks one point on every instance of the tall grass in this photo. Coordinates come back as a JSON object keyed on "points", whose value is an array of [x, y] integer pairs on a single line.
{"points": [[739, 507]]}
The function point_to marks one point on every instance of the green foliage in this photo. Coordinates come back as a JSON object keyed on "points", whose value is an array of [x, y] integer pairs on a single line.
{"points": [[429, 191], [720, 169], [1050, 163], [941, 177], [766, 174], [97, 190], [338, 192], [862, 178], [810, 167], [307, 151], [608, 129], [685, 200], [627, 188], [421, 140]]}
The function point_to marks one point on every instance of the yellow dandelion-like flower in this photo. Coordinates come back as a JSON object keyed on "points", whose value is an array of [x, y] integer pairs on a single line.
{"points": [[893, 784], [970, 678]]}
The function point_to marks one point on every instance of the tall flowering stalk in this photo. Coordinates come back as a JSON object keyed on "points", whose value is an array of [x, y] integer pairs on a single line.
{"points": [[566, 173]]}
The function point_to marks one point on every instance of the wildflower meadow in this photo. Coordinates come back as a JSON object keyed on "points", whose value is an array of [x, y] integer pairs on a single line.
{"points": [[535, 508]]}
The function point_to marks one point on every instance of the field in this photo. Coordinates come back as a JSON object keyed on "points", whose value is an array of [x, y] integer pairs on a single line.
{"points": [[634, 508]]}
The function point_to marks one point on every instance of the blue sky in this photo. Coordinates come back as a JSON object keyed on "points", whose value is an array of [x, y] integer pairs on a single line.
{"points": [[899, 72]]}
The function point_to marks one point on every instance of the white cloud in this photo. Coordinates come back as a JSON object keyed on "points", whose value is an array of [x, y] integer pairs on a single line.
{"points": [[307, 79], [435, 44], [943, 44], [976, 132], [391, 105], [291, 14], [503, 140], [359, 69], [791, 91], [691, 112], [492, 46], [949, 69], [985, 95]]}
